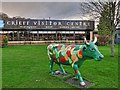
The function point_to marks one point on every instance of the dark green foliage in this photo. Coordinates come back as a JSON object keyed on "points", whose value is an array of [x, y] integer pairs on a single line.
{"points": [[110, 18], [103, 28], [5, 41]]}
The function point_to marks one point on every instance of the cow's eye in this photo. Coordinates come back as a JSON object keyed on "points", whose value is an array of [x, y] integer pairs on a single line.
{"points": [[92, 49], [84, 48]]}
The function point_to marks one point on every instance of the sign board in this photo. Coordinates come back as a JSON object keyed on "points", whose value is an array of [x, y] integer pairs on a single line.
{"points": [[48, 24]]}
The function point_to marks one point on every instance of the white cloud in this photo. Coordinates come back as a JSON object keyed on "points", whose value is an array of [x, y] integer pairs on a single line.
{"points": [[54, 10]]}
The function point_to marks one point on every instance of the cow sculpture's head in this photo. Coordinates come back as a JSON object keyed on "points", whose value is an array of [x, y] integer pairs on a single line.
{"points": [[92, 51]]}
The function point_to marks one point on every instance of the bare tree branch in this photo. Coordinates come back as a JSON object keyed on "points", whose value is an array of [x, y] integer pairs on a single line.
{"points": [[109, 11], [117, 13]]}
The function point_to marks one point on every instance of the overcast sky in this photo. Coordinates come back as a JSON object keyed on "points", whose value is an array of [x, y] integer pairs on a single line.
{"points": [[40, 10]]}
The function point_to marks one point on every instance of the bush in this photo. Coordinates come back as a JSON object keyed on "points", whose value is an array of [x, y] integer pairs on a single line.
{"points": [[5, 41], [103, 40]]}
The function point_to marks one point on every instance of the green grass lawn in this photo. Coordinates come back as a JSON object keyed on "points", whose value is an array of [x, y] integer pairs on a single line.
{"points": [[28, 67]]}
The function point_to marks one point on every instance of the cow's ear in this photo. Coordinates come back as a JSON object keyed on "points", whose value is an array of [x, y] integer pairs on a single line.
{"points": [[87, 44], [84, 48]]}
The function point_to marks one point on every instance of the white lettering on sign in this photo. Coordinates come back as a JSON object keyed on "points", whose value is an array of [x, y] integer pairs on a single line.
{"points": [[68, 23], [28, 23], [59, 23], [35, 23], [39, 23], [55, 23], [74, 24], [8, 23], [42, 23], [50, 23]]}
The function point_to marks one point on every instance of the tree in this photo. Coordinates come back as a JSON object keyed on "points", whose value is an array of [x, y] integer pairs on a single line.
{"points": [[112, 9], [103, 29], [3, 15]]}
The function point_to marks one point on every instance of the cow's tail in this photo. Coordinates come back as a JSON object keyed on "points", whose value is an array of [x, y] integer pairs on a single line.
{"points": [[52, 50], [49, 50]]}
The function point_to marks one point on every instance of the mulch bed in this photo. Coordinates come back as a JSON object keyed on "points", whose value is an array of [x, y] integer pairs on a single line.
{"points": [[73, 81]]}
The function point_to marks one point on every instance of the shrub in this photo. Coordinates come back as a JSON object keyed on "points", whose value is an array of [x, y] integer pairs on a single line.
{"points": [[103, 40], [5, 41]]}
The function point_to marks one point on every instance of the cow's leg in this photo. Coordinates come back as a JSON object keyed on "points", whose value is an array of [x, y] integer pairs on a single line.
{"points": [[50, 61], [62, 69], [78, 75], [51, 66]]}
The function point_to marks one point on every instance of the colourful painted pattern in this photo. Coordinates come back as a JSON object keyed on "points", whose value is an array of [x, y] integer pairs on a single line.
{"points": [[63, 54], [73, 55]]}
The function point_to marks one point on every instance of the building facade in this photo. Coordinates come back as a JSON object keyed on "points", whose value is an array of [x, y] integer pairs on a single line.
{"points": [[47, 31]]}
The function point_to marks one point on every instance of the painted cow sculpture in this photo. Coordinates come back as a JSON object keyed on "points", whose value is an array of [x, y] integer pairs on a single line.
{"points": [[73, 55]]}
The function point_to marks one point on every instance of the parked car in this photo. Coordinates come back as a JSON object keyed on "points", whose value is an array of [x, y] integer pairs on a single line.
{"points": [[117, 36]]}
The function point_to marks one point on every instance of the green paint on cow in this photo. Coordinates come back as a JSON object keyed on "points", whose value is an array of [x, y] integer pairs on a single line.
{"points": [[73, 55]]}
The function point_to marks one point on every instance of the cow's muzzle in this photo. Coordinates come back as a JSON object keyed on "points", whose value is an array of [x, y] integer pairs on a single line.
{"points": [[100, 57]]}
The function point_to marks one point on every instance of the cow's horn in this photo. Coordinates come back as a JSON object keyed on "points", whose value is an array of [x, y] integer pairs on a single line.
{"points": [[95, 40], [86, 41]]}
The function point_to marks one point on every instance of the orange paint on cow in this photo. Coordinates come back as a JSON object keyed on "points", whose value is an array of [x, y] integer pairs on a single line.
{"points": [[66, 57], [74, 57]]}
